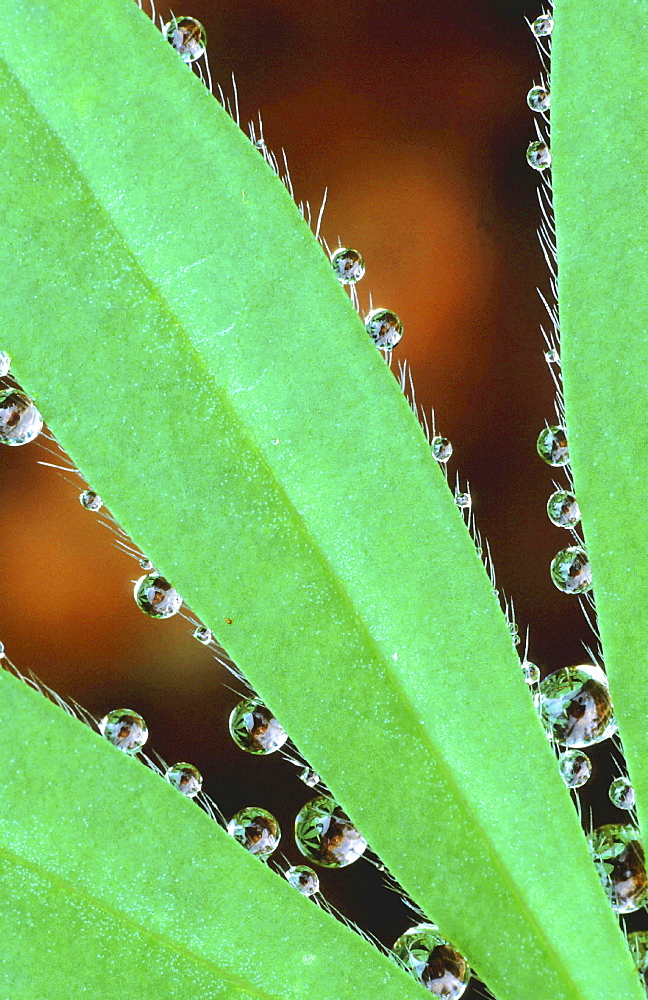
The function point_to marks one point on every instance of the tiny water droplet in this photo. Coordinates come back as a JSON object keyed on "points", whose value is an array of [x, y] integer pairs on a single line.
{"points": [[538, 155], [531, 672], [622, 794], [310, 777], [638, 944], [90, 500], [156, 597], [125, 729], [325, 835], [571, 571], [552, 446], [348, 265], [260, 145], [575, 706], [575, 768], [384, 327], [552, 356], [146, 564], [275, 441], [186, 778], [203, 635], [563, 509], [441, 448], [433, 961], [304, 879], [20, 421], [255, 729], [619, 859], [187, 36], [5, 364], [542, 26], [539, 99], [256, 830], [462, 500], [514, 633]]}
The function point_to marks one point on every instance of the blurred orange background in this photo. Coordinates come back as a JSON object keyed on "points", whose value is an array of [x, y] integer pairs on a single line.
{"points": [[414, 116]]}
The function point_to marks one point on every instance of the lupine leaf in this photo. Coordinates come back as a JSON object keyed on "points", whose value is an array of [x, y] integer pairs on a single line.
{"points": [[184, 337]]}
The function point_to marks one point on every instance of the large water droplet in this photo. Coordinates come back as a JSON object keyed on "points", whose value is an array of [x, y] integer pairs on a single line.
{"points": [[619, 858], [538, 155], [433, 961], [542, 25], [5, 364], [304, 879], [575, 706], [348, 265], [575, 768], [156, 597], [255, 729], [256, 830], [539, 99], [20, 421], [125, 729], [90, 500], [622, 794], [563, 509], [326, 836], [186, 778], [571, 571], [384, 327], [638, 944], [441, 448], [552, 446], [187, 36]]}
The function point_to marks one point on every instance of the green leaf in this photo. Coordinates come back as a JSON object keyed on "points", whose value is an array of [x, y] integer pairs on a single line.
{"points": [[117, 885], [184, 337], [600, 174]]}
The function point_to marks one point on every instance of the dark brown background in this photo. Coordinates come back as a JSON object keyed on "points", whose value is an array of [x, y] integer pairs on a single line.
{"points": [[414, 116]]}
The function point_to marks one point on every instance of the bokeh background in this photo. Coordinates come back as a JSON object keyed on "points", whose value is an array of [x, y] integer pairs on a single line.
{"points": [[414, 116]]}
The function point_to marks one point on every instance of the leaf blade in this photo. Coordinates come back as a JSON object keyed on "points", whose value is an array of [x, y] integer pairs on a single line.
{"points": [[304, 520]]}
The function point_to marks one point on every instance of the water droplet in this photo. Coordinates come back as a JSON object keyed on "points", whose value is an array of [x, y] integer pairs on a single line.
{"points": [[552, 356], [125, 729], [575, 706], [622, 794], [304, 879], [5, 364], [20, 421], [325, 835], [203, 635], [255, 729], [538, 155], [256, 830], [619, 859], [462, 500], [186, 778], [384, 327], [542, 25], [156, 597], [441, 448], [530, 672], [433, 961], [563, 509], [310, 777], [539, 99], [575, 768], [90, 500], [515, 633], [638, 944], [146, 564], [348, 265], [187, 36], [275, 441], [552, 446], [571, 570]]}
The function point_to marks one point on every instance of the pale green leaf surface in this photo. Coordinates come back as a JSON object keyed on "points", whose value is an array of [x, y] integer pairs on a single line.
{"points": [[173, 317], [600, 176], [114, 885]]}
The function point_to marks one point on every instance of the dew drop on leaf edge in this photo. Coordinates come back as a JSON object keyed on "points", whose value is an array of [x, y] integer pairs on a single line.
{"points": [[185, 777], [254, 728], [348, 265], [156, 597], [384, 327], [304, 879], [256, 830], [575, 768], [326, 836], [432, 960], [552, 446], [187, 36], [90, 500], [530, 672], [575, 706], [538, 155], [563, 509], [202, 634], [125, 729], [20, 421], [619, 859], [621, 793], [571, 571], [542, 26], [441, 448], [539, 99]]}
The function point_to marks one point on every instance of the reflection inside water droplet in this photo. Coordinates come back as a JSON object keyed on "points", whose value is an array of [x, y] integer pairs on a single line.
{"points": [[539, 99], [20, 421], [202, 634], [563, 509], [433, 961], [575, 706], [187, 36], [90, 500], [325, 835], [538, 155], [575, 768], [256, 830], [186, 778], [530, 672], [255, 729], [622, 794], [384, 327], [304, 879], [348, 265], [125, 729], [542, 26], [156, 597], [441, 448], [619, 859], [552, 446], [571, 571]]}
